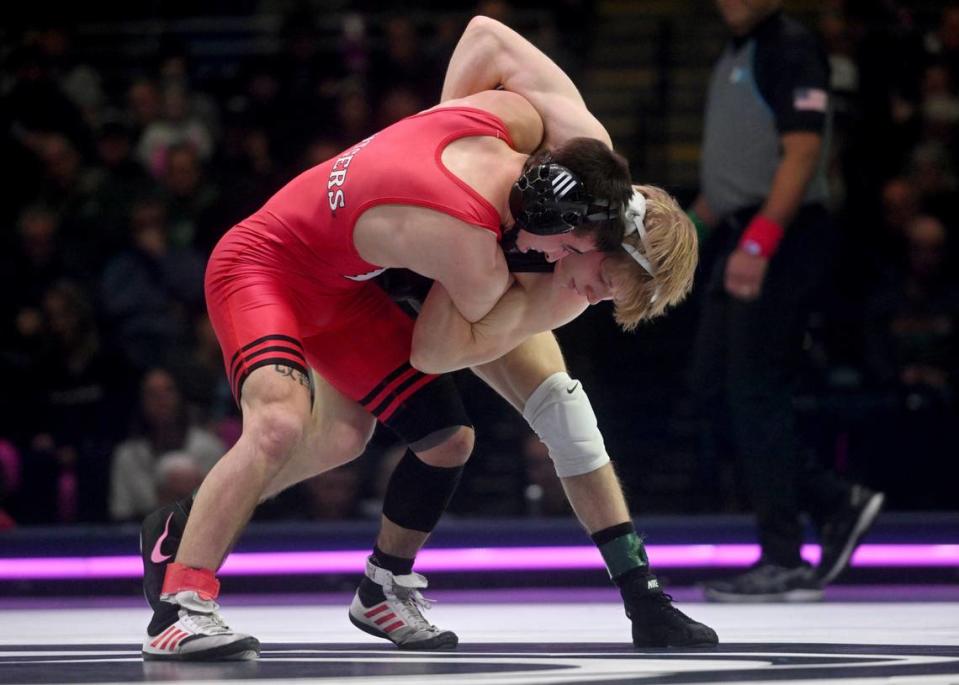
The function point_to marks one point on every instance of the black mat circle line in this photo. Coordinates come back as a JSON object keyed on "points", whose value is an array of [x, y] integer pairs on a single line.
{"points": [[786, 663]]}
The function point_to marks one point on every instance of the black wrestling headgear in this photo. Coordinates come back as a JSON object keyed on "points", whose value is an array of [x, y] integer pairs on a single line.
{"points": [[549, 199]]}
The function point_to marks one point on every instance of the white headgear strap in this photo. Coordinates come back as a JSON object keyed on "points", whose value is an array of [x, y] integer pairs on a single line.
{"points": [[634, 219]]}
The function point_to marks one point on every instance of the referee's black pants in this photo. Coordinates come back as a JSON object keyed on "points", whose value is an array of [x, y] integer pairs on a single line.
{"points": [[745, 370]]}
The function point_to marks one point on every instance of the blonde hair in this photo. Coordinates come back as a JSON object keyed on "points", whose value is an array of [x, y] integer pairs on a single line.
{"points": [[673, 251]]}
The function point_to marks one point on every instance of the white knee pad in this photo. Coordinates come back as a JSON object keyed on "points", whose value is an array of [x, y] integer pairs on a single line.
{"points": [[560, 413]]}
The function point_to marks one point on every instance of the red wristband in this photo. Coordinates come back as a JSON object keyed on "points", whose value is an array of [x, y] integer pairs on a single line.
{"points": [[761, 237], [180, 578]]}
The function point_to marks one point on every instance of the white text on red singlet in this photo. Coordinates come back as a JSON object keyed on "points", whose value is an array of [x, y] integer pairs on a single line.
{"points": [[338, 171]]}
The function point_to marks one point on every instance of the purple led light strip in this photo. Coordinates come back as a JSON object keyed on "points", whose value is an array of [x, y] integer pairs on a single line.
{"points": [[471, 559]]}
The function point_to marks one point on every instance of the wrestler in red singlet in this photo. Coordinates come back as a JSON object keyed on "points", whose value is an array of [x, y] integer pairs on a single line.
{"points": [[287, 286]]}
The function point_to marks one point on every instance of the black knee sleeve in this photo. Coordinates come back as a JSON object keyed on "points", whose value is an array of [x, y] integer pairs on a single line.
{"points": [[418, 494]]}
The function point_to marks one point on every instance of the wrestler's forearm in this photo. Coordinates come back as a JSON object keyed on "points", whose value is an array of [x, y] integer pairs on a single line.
{"points": [[444, 341], [801, 151]]}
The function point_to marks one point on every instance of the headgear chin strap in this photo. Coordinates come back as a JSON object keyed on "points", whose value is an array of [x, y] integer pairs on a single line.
{"points": [[635, 217], [549, 199]]}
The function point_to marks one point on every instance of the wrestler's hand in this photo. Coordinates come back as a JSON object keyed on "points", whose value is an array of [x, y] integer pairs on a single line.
{"points": [[745, 274]]}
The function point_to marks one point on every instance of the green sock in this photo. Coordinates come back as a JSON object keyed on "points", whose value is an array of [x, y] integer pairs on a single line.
{"points": [[622, 550]]}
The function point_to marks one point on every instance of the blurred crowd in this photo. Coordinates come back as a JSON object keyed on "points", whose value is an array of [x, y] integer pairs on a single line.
{"points": [[888, 347], [119, 178]]}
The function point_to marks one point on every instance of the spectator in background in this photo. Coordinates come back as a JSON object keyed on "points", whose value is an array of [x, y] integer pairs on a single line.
{"points": [[943, 43], [763, 191], [117, 178], [913, 330], [258, 100], [36, 104], [81, 83], [144, 104], [912, 353], [78, 400], [354, 50], [70, 188], [175, 72], [899, 206], [882, 247], [35, 263], [166, 455], [199, 368], [149, 291], [939, 106], [933, 172], [193, 201], [251, 171], [178, 475], [873, 250], [178, 127]]}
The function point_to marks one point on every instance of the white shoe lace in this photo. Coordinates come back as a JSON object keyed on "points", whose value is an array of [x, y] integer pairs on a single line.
{"points": [[410, 603], [200, 615], [208, 624]]}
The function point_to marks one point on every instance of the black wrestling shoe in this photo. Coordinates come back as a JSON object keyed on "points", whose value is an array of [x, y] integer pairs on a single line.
{"points": [[842, 533], [768, 582], [159, 541], [656, 622]]}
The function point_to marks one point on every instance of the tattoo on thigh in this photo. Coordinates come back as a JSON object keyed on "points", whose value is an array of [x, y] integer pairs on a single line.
{"points": [[295, 374]]}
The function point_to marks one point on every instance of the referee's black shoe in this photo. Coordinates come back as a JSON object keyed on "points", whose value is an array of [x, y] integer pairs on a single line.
{"points": [[159, 541], [656, 622], [767, 582], [841, 534]]}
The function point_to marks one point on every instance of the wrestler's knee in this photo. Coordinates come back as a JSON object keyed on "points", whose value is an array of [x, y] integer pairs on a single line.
{"points": [[276, 428], [562, 416], [451, 447]]}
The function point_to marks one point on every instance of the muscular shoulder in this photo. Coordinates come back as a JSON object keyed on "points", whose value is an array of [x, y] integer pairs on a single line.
{"points": [[522, 120]]}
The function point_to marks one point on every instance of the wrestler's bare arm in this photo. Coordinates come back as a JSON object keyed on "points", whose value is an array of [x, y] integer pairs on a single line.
{"points": [[467, 260], [491, 55], [444, 341]]}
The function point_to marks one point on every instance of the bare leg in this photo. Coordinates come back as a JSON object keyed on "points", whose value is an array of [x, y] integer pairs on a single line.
{"points": [[596, 497], [598, 501], [275, 415], [338, 433], [185, 623]]}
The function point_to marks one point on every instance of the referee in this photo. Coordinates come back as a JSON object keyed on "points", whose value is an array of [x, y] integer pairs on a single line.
{"points": [[762, 199]]}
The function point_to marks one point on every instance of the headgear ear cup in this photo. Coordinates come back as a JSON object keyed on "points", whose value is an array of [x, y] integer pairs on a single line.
{"points": [[549, 199]]}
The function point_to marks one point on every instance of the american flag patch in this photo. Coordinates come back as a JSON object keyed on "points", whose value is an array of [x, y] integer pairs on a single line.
{"points": [[810, 99]]}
